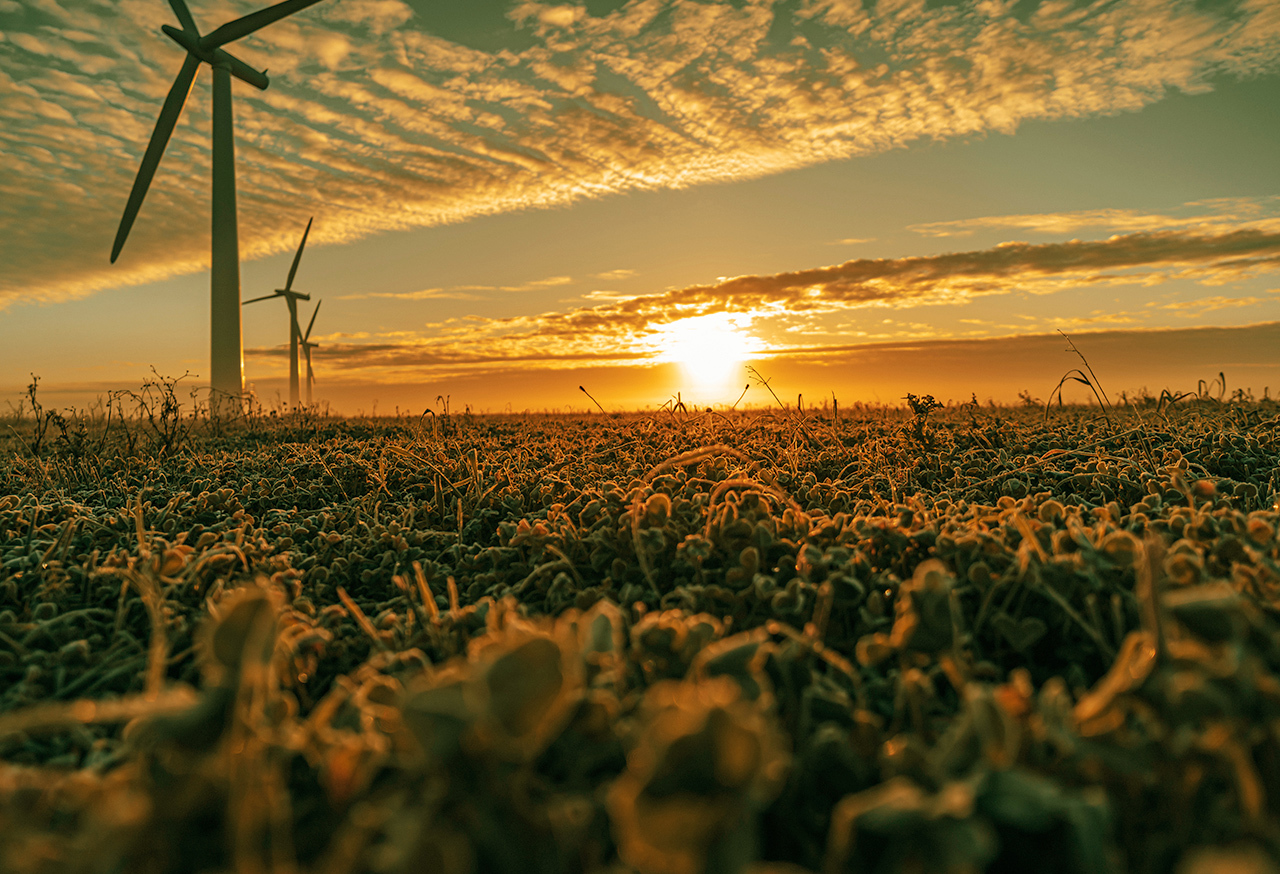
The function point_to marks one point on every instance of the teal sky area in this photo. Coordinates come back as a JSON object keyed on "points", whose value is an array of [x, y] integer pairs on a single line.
{"points": [[513, 199]]}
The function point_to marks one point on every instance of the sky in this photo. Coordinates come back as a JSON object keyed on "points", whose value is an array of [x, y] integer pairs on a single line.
{"points": [[511, 199]]}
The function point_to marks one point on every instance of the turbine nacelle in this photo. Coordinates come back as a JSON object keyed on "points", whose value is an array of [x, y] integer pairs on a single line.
{"points": [[217, 57]]}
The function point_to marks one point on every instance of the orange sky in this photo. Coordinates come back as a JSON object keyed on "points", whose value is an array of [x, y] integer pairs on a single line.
{"points": [[952, 371], [515, 198]]}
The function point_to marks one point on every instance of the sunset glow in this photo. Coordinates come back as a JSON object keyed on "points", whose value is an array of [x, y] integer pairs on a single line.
{"points": [[512, 199], [711, 351], [653, 436]]}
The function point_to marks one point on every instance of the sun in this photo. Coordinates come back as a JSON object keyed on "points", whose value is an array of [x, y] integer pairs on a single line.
{"points": [[710, 350]]}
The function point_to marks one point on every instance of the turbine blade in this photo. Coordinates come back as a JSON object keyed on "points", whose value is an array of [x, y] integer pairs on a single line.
{"points": [[242, 27], [184, 17], [155, 148], [298, 257], [307, 336], [256, 299], [242, 71]]}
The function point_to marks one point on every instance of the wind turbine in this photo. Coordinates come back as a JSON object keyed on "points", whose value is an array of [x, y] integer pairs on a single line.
{"points": [[226, 350], [307, 346], [292, 297]]}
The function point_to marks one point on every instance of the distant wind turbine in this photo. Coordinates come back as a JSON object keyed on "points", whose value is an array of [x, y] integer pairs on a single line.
{"points": [[307, 346], [292, 297], [226, 352]]}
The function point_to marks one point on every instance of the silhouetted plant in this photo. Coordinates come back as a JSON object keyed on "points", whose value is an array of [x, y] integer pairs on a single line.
{"points": [[160, 411], [42, 419], [921, 406]]}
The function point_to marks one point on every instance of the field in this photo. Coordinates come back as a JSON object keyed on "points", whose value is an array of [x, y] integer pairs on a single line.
{"points": [[919, 639]]}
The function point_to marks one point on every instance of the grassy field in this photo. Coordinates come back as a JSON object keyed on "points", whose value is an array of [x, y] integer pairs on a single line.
{"points": [[888, 640]]}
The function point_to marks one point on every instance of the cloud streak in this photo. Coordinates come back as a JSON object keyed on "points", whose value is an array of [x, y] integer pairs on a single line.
{"points": [[461, 292], [800, 304], [1129, 259], [374, 123], [1226, 214]]}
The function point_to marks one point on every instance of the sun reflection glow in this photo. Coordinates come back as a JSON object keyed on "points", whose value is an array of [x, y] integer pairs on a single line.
{"points": [[710, 350]]}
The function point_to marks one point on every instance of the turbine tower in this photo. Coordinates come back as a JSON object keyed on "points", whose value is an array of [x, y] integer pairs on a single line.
{"points": [[226, 351], [307, 346], [292, 297]]}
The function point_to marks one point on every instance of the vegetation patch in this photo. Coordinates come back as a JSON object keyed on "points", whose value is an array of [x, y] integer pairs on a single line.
{"points": [[929, 638]]}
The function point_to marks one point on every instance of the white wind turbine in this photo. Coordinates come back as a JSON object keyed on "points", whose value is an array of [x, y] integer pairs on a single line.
{"points": [[307, 346], [292, 297], [226, 352]]}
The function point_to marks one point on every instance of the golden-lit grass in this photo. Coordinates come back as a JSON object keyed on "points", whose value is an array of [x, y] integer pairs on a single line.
{"points": [[952, 636]]}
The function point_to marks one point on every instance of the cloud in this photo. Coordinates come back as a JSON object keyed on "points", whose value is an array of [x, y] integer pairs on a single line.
{"points": [[604, 294], [374, 123], [615, 275], [461, 292], [803, 305], [1195, 308], [443, 357], [549, 282], [1129, 259], [423, 294], [1226, 213], [377, 16]]}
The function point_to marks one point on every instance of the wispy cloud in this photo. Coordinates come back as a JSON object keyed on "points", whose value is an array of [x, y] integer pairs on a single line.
{"points": [[374, 123], [446, 357], [1131, 259], [1196, 308], [615, 275], [461, 292], [800, 307], [1224, 214], [423, 294], [549, 282]]}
